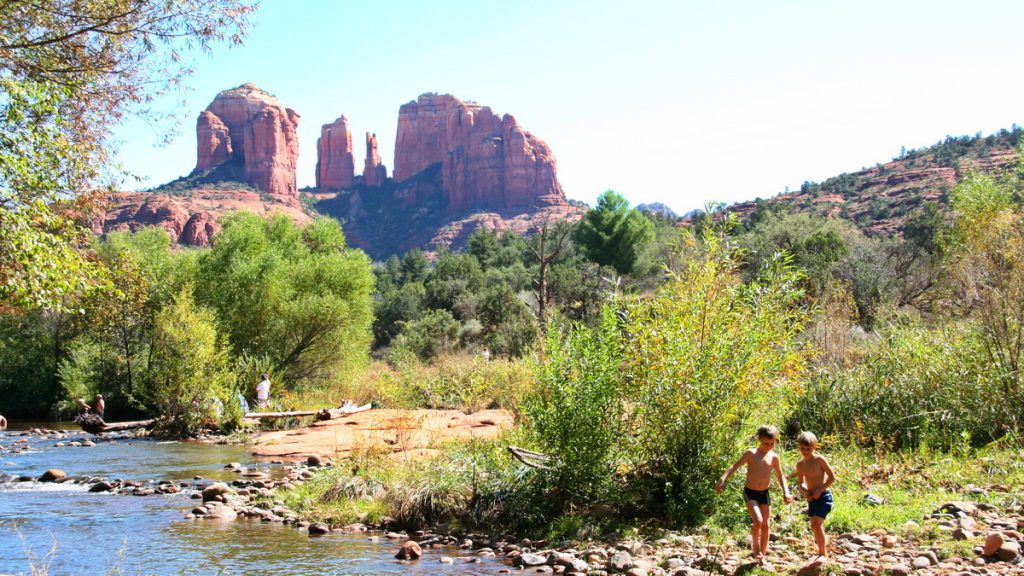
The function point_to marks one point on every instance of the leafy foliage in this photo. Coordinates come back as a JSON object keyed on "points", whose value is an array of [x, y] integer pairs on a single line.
{"points": [[69, 71], [666, 386], [191, 382], [296, 296]]}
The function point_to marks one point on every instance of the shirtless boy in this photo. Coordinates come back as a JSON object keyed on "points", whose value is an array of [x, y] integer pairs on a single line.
{"points": [[760, 463], [815, 475]]}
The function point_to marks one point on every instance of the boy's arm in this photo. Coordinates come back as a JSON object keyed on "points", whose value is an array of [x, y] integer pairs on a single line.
{"points": [[782, 479], [830, 477], [728, 473]]}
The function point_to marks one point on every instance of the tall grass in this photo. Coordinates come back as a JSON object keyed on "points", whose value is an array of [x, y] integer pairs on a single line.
{"points": [[916, 386]]}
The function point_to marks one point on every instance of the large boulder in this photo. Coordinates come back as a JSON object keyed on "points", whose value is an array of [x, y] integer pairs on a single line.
{"points": [[409, 551], [216, 491]]}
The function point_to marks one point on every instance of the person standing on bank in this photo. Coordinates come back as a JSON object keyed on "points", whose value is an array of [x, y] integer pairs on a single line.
{"points": [[101, 406], [263, 392]]}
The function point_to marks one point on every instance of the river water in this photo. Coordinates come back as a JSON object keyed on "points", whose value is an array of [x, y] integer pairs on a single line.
{"points": [[64, 529]]}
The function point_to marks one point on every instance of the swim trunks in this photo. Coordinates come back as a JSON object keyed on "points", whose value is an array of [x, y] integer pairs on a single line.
{"points": [[760, 496], [822, 506]]}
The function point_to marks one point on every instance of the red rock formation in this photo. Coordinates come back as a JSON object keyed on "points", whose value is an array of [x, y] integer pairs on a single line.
{"points": [[214, 143], [486, 161], [261, 145], [163, 211], [199, 230], [190, 219], [335, 168], [422, 134], [374, 173]]}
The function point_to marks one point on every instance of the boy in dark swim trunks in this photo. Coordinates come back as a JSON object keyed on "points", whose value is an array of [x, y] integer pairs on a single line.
{"points": [[815, 475], [760, 463]]}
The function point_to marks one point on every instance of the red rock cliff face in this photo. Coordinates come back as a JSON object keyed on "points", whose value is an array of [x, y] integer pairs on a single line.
{"points": [[254, 135], [374, 173], [335, 168], [487, 161]]}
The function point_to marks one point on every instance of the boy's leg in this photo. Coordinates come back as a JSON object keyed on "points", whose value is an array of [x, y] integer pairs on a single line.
{"points": [[755, 529], [818, 527], [766, 514]]}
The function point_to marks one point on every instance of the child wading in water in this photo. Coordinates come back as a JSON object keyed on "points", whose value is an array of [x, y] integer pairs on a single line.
{"points": [[815, 475], [760, 462]]}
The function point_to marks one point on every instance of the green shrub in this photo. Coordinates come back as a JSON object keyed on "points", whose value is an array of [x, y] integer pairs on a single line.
{"points": [[915, 386], [190, 381], [663, 390]]}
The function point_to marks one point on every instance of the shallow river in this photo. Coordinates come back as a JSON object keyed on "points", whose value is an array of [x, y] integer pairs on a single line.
{"points": [[67, 530]]}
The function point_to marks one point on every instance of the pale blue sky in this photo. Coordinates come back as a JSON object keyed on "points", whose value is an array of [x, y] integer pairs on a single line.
{"points": [[682, 102]]}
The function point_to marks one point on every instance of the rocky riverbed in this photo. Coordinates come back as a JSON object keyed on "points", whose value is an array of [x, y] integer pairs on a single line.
{"points": [[988, 536], [992, 532]]}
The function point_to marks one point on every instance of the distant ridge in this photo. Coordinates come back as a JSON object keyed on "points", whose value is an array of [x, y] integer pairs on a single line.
{"points": [[880, 199]]}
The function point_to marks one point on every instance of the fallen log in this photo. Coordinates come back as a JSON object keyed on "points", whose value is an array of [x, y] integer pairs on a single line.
{"points": [[323, 414], [292, 414], [93, 424]]}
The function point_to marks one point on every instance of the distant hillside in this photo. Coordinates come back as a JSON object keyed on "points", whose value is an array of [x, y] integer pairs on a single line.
{"points": [[881, 198]]}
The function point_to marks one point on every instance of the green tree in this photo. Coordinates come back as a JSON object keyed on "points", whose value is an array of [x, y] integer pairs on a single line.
{"points": [[69, 71], [297, 296], [613, 234], [453, 284], [433, 334], [191, 383]]}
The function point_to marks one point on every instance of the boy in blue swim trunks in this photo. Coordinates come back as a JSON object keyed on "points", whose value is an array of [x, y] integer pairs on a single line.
{"points": [[760, 463], [814, 477]]}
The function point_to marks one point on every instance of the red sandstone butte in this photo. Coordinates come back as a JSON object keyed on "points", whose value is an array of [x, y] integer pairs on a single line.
{"points": [[486, 160], [252, 132], [335, 168], [374, 173]]}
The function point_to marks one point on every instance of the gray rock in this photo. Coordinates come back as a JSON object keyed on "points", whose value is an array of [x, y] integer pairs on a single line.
{"points": [[212, 491], [318, 528], [101, 486], [529, 560], [1008, 552], [620, 561]]}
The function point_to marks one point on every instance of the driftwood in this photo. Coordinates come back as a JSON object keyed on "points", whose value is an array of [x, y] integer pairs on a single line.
{"points": [[531, 458], [324, 414], [93, 424]]}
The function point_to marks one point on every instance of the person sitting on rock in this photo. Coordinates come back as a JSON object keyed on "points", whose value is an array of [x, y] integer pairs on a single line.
{"points": [[83, 406], [101, 406]]}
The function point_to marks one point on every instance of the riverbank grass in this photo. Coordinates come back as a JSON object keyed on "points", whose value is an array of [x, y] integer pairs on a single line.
{"points": [[478, 486]]}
